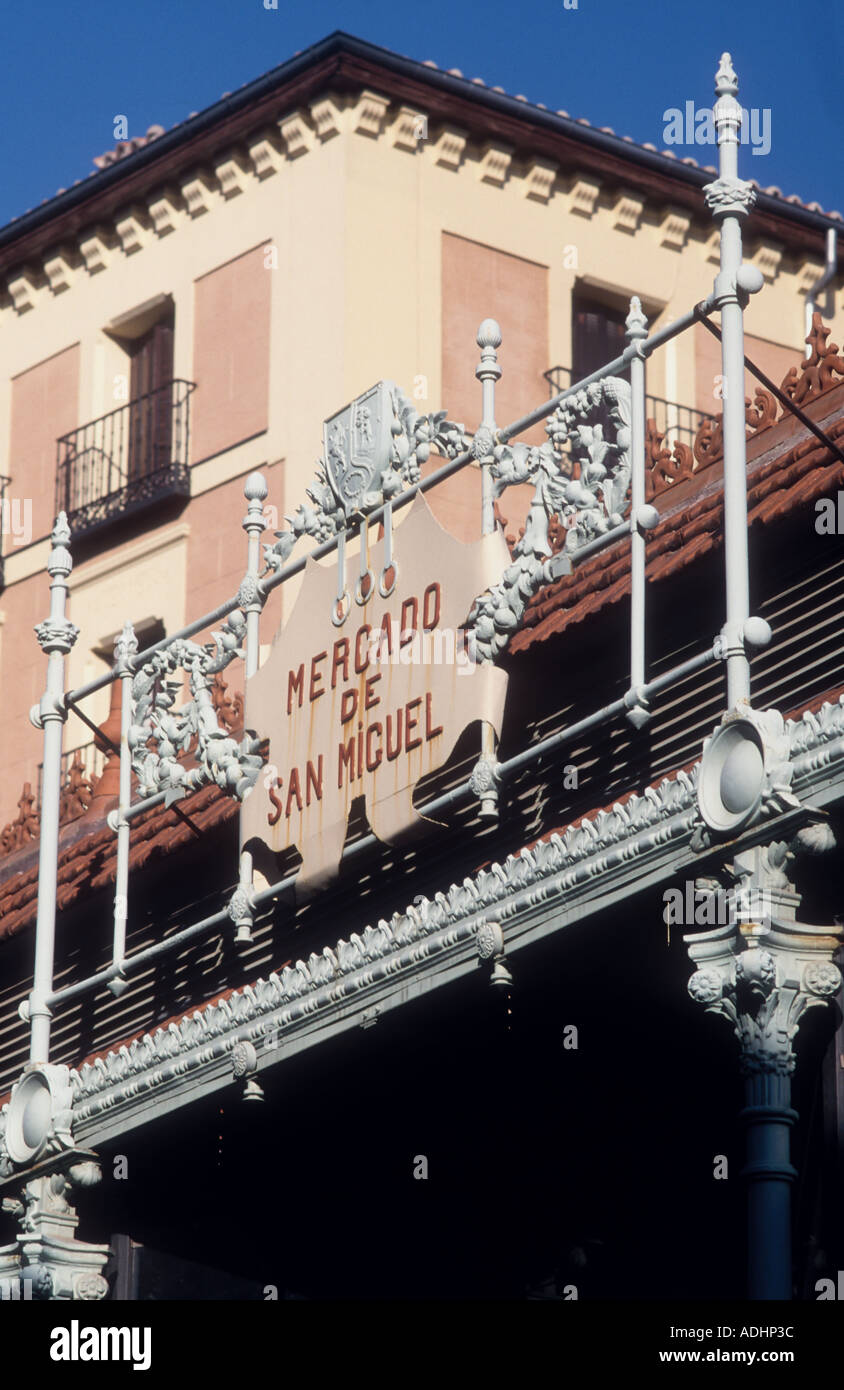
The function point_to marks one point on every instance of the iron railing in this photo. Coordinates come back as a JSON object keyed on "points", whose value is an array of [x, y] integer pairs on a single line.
{"points": [[677, 422], [126, 460]]}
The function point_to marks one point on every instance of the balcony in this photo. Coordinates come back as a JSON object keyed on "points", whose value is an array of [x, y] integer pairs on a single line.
{"points": [[679, 423], [127, 460]]}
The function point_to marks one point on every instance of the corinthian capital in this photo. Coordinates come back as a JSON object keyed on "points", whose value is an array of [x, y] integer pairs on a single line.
{"points": [[729, 197], [763, 978]]}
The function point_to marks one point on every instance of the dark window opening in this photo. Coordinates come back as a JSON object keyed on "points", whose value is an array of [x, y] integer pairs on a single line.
{"points": [[597, 336], [150, 405]]}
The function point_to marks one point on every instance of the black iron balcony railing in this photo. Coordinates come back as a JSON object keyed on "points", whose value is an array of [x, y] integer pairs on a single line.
{"points": [[126, 460], [677, 422]]}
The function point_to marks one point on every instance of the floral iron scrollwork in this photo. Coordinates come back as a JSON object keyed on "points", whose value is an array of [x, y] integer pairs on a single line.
{"points": [[581, 477], [343, 489], [160, 734]]}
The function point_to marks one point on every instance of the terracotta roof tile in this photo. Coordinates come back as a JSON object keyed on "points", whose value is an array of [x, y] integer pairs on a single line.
{"points": [[778, 483], [88, 851]]}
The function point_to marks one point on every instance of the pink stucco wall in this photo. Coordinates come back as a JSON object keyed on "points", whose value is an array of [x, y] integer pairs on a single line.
{"points": [[231, 355], [23, 670], [479, 282], [45, 404], [217, 545]]}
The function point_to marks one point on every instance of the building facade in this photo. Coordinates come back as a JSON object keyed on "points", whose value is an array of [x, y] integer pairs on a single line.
{"points": [[625, 549], [187, 313]]}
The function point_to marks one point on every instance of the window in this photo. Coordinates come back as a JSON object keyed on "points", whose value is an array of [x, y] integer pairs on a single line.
{"points": [[150, 412], [597, 335]]}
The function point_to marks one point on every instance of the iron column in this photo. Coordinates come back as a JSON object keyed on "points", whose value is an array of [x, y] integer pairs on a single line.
{"points": [[56, 636], [729, 199]]}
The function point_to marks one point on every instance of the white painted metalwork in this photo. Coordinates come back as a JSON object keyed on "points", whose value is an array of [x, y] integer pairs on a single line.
{"points": [[374, 451], [600, 420], [729, 199], [125, 646], [640, 519], [56, 635], [486, 775]]}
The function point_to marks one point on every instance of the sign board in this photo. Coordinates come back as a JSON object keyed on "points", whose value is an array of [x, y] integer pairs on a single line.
{"points": [[368, 706]]}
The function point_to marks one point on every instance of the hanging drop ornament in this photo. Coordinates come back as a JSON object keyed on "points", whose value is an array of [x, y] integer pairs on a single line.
{"points": [[390, 571], [366, 579], [343, 602]]}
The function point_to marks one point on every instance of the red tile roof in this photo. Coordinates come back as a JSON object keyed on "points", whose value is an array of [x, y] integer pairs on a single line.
{"points": [[88, 852], [780, 479]]}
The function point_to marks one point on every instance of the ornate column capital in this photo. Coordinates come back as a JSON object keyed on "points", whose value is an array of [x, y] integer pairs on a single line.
{"points": [[45, 1256], [40, 1168], [56, 635], [729, 197], [762, 974]]}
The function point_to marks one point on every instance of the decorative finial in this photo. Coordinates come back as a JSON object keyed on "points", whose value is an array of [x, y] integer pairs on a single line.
{"points": [[489, 334], [60, 562], [726, 82], [255, 487], [125, 644], [636, 323], [488, 370]]}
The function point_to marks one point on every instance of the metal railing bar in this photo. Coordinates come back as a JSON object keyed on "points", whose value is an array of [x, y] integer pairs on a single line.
{"points": [[97, 730], [104, 466], [783, 399], [128, 405], [207, 620]]}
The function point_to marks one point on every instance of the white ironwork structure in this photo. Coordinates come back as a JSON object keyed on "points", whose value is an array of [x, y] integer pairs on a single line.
{"points": [[761, 976]]}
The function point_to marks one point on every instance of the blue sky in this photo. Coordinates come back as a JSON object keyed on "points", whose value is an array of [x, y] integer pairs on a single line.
{"points": [[70, 69]]}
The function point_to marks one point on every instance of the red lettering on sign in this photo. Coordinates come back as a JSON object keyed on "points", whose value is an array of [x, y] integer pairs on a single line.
{"points": [[313, 780], [410, 605], [370, 700], [410, 726], [392, 752], [372, 760], [348, 705], [431, 603], [386, 636], [346, 759], [276, 800], [430, 731], [295, 681], [313, 692], [293, 789], [340, 658], [360, 664]]}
